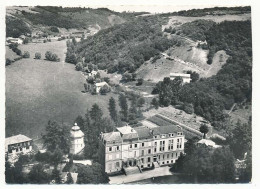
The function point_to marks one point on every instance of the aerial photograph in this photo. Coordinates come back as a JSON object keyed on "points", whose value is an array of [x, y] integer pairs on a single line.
{"points": [[95, 95]]}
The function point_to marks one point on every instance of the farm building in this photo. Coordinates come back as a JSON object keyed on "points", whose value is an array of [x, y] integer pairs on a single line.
{"points": [[91, 74], [14, 40], [186, 77], [100, 85], [16, 145]]}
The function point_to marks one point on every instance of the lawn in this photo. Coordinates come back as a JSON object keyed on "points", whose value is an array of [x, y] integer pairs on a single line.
{"points": [[38, 91]]}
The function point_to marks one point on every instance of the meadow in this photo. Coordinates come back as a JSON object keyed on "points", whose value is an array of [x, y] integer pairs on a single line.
{"points": [[38, 91]]}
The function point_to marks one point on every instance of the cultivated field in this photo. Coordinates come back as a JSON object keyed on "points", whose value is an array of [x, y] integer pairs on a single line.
{"points": [[38, 91]]}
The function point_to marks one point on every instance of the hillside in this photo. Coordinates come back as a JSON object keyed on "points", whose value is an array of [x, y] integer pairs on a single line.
{"points": [[41, 18], [38, 91]]}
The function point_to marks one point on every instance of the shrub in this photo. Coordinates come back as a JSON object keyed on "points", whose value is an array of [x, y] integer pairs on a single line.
{"points": [[8, 62], [79, 66], [104, 90], [54, 29], [26, 54], [51, 56], [139, 81], [38, 55], [26, 40]]}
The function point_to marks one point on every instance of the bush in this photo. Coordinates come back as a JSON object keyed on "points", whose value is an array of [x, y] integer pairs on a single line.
{"points": [[38, 55], [79, 66], [104, 90], [26, 54], [139, 81], [8, 62], [54, 29], [26, 40], [51, 56]]}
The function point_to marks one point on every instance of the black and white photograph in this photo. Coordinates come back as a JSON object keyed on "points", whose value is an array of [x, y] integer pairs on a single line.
{"points": [[118, 94]]}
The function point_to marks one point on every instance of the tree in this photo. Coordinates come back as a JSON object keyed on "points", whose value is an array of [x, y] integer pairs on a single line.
{"points": [[56, 137], [96, 113], [112, 109], [240, 139], [69, 179], [56, 175], [56, 157], [104, 90], [26, 54], [14, 175], [38, 55], [79, 66], [207, 165], [124, 107], [80, 122], [106, 79], [204, 129], [139, 81], [38, 176], [26, 40], [51, 56], [92, 175], [54, 29], [140, 102], [155, 103]]}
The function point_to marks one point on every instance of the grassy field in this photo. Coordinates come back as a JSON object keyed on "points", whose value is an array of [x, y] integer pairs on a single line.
{"points": [[10, 54], [39, 90]]}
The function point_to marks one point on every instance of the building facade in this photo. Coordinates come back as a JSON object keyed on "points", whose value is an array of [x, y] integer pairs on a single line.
{"points": [[140, 147], [17, 145], [76, 140]]}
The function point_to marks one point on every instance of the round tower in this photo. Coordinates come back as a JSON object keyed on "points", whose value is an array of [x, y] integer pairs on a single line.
{"points": [[77, 140]]}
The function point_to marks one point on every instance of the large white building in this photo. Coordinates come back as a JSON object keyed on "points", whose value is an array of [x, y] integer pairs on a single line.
{"points": [[76, 140], [186, 77], [140, 147]]}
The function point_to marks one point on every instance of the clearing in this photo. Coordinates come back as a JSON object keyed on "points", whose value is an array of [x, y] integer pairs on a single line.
{"points": [[38, 91]]}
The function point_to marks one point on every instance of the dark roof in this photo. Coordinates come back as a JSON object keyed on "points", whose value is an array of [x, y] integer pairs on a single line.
{"points": [[112, 137], [143, 132], [167, 129]]}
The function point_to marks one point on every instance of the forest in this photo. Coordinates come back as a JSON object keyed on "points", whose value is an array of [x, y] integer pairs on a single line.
{"points": [[126, 47], [211, 11], [232, 84], [15, 27]]}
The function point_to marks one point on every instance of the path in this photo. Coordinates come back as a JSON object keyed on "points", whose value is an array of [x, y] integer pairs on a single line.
{"points": [[157, 172]]}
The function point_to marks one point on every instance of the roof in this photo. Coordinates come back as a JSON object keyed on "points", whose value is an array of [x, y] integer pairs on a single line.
{"points": [[208, 143], [75, 127], [75, 132], [16, 139], [127, 132], [112, 136], [167, 129], [179, 74], [101, 84], [143, 132]]}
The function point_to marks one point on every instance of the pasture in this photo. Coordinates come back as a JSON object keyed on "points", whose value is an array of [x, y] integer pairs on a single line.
{"points": [[38, 91]]}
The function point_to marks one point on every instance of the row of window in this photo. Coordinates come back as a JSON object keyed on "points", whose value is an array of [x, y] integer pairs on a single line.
{"points": [[162, 145], [167, 156], [168, 135], [20, 149]]}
